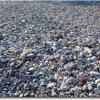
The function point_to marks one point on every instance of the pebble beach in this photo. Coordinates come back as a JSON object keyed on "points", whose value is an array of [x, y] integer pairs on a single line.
{"points": [[49, 49]]}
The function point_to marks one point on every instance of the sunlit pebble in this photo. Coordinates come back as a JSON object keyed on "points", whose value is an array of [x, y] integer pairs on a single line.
{"points": [[25, 52], [97, 81], [23, 20], [88, 50], [94, 73], [30, 69]]}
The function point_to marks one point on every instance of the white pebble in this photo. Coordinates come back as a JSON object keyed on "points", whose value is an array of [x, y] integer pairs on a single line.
{"points": [[30, 69], [50, 85]]}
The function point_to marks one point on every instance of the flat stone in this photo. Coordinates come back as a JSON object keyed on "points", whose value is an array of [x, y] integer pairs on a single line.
{"points": [[53, 93], [93, 58], [97, 81], [71, 80], [95, 74], [50, 85], [89, 87], [21, 95], [69, 66], [98, 88], [1, 70], [62, 94], [41, 73], [30, 69], [63, 86]]}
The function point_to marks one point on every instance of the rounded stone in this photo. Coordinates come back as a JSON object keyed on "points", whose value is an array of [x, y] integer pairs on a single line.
{"points": [[50, 85], [70, 82], [95, 74], [69, 66], [97, 81], [98, 88], [31, 68], [21, 95], [89, 87]]}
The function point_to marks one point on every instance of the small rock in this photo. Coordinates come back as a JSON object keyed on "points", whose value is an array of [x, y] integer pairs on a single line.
{"points": [[1, 71], [57, 76], [30, 69], [71, 81], [41, 73], [88, 50], [25, 52], [97, 68], [21, 95], [84, 61], [18, 51], [98, 53], [53, 93], [97, 81], [23, 20], [68, 82], [26, 94], [69, 66], [1, 37], [89, 87], [61, 94], [63, 86], [95, 74], [50, 85], [43, 84], [90, 94], [77, 48], [81, 54], [12, 64], [74, 88], [98, 88], [29, 57], [93, 58]]}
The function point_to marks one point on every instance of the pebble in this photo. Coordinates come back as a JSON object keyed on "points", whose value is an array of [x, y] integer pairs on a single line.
{"points": [[30, 69], [77, 48], [25, 52], [21, 95], [40, 73], [97, 68], [87, 50], [29, 57], [68, 82], [1, 71], [1, 37], [69, 66], [93, 58], [63, 86], [43, 84], [98, 88], [53, 93], [12, 64], [95, 74], [89, 87], [26, 94], [50, 85], [74, 88], [97, 81], [61, 94]]}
